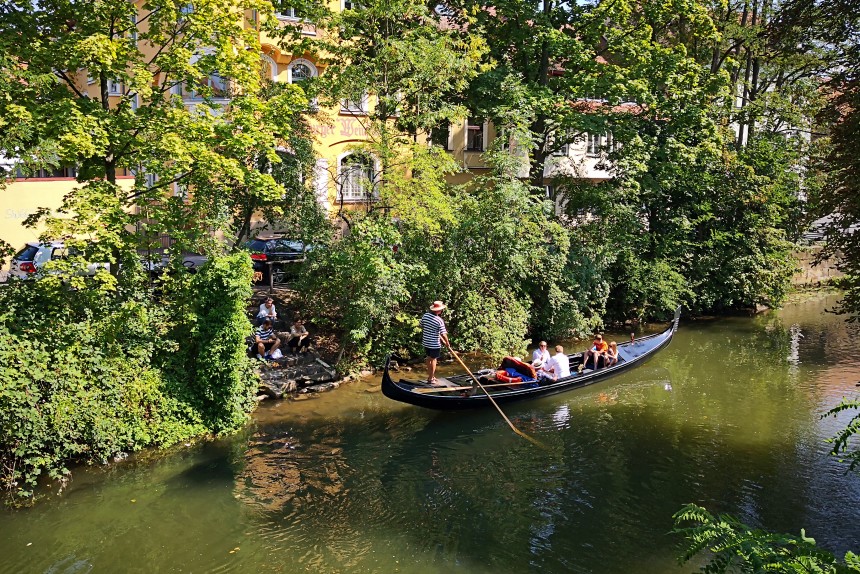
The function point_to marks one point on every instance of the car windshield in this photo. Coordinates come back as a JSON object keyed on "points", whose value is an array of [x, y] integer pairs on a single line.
{"points": [[27, 254], [281, 245], [256, 245]]}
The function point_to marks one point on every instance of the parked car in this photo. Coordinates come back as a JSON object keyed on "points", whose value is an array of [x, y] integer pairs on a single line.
{"points": [[275, 254], [157, 263], [31, 260]]}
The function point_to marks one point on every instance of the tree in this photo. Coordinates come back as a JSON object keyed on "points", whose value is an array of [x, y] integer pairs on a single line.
{"points": [[735, 547], [400, 71], [835, 23], [171, 95]]}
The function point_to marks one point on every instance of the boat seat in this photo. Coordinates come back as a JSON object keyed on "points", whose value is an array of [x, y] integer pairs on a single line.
{"points": [[443, 382]]}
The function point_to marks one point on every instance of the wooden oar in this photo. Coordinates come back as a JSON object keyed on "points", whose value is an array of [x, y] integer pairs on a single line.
{"points": [[507, 420]]}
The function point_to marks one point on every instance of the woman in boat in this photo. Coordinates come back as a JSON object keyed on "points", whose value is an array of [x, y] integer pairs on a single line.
{"points": [[612, 354]]}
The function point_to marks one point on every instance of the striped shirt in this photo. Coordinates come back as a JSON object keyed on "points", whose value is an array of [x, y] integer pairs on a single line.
{"points": [[264, 333], [432, 326]]}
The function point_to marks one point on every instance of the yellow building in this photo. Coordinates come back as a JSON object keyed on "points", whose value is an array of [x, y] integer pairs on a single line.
{"points": [[340, 175]]}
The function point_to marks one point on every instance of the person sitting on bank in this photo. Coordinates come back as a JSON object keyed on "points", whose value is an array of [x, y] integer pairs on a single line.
{"points": [[267, 311], [596, 352], [558, 365], [540, 356], [266, 340], [299, 338], [611, 356]]}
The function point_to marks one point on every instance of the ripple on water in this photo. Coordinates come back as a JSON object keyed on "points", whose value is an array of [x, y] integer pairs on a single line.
{"points": [[353, 482]]}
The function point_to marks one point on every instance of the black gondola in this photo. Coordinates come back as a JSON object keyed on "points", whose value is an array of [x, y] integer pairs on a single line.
{"points": [[461, 393]]}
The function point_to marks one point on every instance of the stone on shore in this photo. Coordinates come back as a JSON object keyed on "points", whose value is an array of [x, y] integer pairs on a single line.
{"points": [[296, 374]]}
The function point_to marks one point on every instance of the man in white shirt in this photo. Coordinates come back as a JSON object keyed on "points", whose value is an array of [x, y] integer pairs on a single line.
{"points": [[540, 356], [267, 311], [558, 366]]}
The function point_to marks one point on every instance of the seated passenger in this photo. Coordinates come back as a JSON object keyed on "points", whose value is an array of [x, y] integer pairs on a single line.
{"points": [[558, 365], [596, 352], [540, 355], [612, 354]]}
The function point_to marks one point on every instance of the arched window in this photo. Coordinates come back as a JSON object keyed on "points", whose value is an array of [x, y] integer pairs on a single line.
{"points": [[268, 68], [356, 177], [301, 70]]}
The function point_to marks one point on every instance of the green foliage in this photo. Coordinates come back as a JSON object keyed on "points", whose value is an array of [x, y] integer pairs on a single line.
{"points": [[222, 379], [502, 261], [116, 362], [735, 547], [359, 286], [500, 258], [86, 377], [842, 442]]}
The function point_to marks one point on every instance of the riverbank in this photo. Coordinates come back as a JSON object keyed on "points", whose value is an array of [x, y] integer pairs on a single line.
{"points": [[314, 372]]}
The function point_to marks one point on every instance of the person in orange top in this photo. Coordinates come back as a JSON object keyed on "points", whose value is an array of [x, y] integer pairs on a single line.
{"points": [[597, 351]]}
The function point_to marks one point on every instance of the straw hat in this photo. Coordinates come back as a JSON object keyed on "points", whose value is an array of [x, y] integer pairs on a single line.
{"points": [[437, 306]]}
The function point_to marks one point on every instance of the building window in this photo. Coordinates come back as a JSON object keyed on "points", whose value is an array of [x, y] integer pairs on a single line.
{"points": [[598, 143], [301, 70], [475, 128], [180, 190], [219, 87], [268, 68], [595, 141], [348, 5], [439, 136], [354, 106], [287, 14], [150, 180], [114, 88], [64, 171], [133, 29], [356, 178], [564, 149]]}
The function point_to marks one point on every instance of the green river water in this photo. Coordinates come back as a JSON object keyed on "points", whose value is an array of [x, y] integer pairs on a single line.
{"points": [[728, 416]]}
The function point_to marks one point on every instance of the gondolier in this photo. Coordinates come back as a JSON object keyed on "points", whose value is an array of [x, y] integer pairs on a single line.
{"points": [[433, 335]]}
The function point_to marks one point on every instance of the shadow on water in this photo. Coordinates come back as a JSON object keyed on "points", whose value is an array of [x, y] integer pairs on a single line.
{"points": [[727, 416]]}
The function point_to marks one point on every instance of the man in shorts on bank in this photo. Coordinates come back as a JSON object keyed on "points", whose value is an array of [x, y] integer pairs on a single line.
{"points": [[433, 336], [265, 340]]}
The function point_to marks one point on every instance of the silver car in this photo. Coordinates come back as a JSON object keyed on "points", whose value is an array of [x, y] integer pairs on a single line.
{"points": [[31, 260]]}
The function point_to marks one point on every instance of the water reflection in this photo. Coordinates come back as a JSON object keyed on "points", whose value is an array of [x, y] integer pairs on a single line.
{"points": [[727, 417]]}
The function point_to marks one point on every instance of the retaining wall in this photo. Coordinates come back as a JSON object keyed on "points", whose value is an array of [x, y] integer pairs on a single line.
{"points": [[810, 274]]}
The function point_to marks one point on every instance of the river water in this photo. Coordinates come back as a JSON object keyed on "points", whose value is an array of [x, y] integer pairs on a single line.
{"points": [[728, 416]]}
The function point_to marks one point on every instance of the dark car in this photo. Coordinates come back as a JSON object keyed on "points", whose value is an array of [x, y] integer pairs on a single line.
{"points": [[158, 262], [275, 255]]}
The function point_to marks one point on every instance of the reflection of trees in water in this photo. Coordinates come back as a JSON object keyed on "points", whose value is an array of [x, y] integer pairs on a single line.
{"points": [[732, 431], [282, 469]]}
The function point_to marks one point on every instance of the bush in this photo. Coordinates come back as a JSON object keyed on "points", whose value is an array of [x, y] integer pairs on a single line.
{"points": [[87, 374]]}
